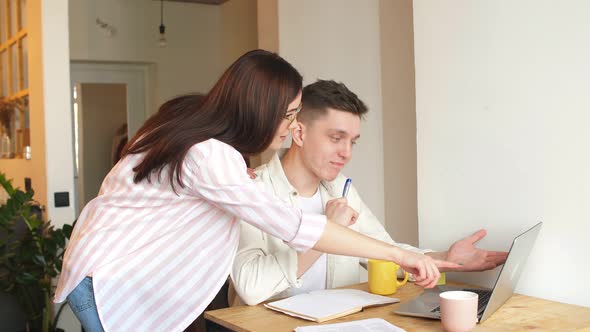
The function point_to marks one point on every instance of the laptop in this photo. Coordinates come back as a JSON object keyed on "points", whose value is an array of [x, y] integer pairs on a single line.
{"points": [[428, 304]]}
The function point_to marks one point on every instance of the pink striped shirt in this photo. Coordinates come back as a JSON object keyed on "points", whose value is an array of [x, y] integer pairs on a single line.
{"points": [[157, 258]]}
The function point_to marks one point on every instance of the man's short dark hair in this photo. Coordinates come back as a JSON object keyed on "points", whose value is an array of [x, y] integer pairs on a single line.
{"points": [[323, 94]]}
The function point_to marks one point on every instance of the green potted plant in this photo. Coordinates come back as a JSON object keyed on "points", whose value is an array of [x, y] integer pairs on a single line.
{"points": [[31, 255]]}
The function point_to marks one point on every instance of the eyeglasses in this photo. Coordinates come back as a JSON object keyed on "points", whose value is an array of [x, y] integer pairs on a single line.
{"points": [[291, 116]]}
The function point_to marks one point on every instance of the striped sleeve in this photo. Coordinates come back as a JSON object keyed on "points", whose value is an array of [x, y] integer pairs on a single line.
{"points": [[217, 172]]}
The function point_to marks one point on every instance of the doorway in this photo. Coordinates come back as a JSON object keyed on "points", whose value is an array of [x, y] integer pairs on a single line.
{"points": [[100, 111], [110, 103]]}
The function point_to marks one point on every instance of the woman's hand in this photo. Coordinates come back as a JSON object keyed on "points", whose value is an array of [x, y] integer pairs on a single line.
{"points": [[424, 268], [338, 211], [341, 240]]}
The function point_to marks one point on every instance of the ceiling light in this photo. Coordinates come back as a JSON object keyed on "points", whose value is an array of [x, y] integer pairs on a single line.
{"points": [[162, 40]]}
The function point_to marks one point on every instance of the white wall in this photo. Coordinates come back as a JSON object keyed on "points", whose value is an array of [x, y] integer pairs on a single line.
{"points": [[190, 61], [502, 115], [56, 103], [339, 39]]}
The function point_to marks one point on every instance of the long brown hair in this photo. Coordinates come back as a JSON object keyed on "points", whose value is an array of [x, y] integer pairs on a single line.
{"points": [[243, 109]]}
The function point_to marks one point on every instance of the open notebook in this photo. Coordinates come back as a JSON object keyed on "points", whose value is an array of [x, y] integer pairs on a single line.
{"points": [[328, 304]]}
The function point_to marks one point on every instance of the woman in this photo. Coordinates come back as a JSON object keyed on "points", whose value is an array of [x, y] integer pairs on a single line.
{"points": [[152, 250]]}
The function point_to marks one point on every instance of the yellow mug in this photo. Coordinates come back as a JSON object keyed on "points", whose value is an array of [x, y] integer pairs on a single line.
{"points": [[383, 277]]}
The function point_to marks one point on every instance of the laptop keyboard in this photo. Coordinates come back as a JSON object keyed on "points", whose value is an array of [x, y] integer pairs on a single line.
{"points": [[482, 301]]}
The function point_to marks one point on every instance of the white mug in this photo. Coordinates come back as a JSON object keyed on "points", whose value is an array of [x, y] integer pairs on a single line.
{"points": [[458, 310]]}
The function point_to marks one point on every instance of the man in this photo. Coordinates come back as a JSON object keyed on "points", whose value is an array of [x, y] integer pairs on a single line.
{"points": [[308, 176]]}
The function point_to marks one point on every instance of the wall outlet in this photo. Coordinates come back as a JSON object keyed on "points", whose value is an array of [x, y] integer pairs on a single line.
{"points": [[61, 199]]}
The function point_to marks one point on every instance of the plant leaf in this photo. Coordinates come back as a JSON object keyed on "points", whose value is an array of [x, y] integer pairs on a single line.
{"points": [[67, 229], [39, 260]]}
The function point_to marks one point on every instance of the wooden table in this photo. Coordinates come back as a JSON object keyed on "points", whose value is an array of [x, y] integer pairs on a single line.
{"points": [[519, 313]]}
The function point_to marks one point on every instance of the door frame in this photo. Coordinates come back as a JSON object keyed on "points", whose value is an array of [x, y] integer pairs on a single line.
{"points": [[136, 76]]}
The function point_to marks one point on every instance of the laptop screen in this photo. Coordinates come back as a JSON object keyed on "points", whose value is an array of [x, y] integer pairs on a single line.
{"points": [[512, 269]]}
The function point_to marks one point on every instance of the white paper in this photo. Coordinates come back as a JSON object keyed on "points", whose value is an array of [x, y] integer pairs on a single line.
{"points": [[365, 325], [326, 303]]}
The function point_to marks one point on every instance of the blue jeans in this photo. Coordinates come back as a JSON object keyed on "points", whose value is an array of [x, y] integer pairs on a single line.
{"points": [[81, 300]]}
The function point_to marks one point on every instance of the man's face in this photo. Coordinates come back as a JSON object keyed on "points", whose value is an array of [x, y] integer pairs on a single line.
{"points": [[327, 143]]}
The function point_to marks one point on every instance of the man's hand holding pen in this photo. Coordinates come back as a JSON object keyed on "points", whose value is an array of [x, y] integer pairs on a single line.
{"points": [[340, 205]]}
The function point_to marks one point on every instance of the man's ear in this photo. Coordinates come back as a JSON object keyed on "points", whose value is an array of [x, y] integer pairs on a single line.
{"points": [[298, 134]]}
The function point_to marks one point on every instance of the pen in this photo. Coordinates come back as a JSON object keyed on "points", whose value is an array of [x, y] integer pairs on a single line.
{"points": [[346, 187]]}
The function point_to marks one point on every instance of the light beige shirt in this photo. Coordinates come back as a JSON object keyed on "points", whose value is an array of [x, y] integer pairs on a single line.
{"points": [[265, 266]]}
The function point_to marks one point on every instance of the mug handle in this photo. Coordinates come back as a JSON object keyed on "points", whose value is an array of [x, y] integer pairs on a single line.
{"points": [[403, 282]]}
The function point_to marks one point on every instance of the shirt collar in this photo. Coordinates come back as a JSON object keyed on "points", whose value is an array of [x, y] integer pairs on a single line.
{"points": [[278, 177], [280, 182]]}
